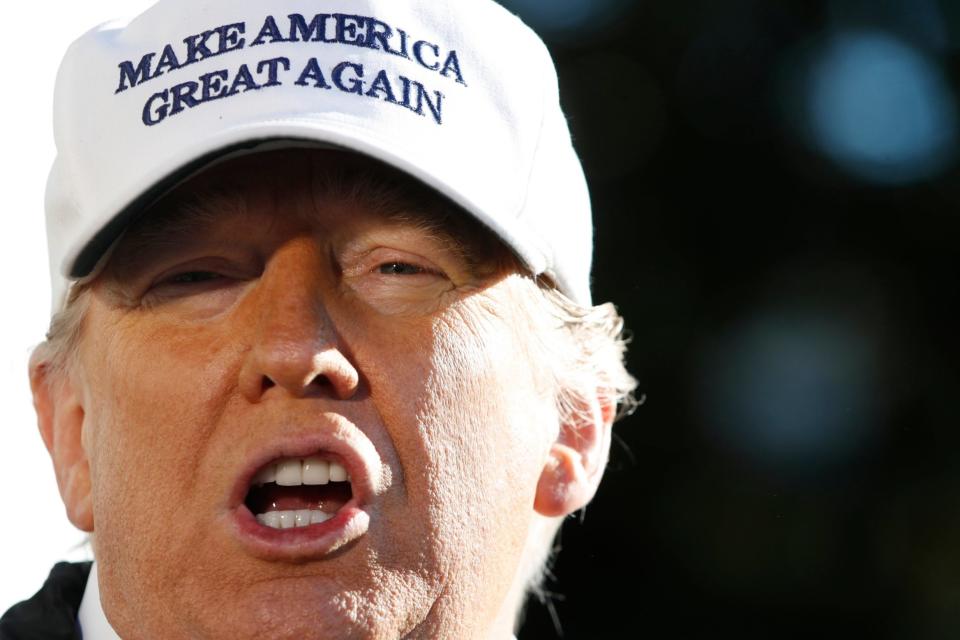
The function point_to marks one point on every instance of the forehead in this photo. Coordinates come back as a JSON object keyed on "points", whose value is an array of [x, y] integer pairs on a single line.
{"points": [[303, 184]]}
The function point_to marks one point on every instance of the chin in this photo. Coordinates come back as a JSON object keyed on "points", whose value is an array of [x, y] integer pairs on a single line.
{"points": [[306, 608]]}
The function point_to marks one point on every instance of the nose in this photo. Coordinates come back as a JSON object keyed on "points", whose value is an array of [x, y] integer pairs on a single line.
{"points": [[295, 348]]}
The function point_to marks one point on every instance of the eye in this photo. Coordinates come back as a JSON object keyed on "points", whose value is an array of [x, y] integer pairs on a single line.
{"points": [[392, 279], [400, 269], [190, 282], [200, 290], [192, 277]]}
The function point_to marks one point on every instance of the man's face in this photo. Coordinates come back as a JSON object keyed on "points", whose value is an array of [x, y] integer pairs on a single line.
{"points": [[277, 325]]}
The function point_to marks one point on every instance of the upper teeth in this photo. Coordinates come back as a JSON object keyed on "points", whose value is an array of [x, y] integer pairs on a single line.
{"points": [[294, 472]]}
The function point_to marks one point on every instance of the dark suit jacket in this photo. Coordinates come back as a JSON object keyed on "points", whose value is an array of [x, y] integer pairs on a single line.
{"points": [[51, 614]]}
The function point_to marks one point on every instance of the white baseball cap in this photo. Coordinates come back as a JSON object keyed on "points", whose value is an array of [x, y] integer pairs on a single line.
{"points": [[459, 94]]}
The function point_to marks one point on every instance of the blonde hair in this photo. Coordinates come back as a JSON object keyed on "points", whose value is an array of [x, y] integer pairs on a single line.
{"points": [[58, 352]]}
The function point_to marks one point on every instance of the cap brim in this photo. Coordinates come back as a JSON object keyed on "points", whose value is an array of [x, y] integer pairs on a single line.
{"points": [[269, 136]]}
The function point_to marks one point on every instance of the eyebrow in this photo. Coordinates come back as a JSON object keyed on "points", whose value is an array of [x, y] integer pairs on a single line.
{"points": [[171, 223], [439, 231]]}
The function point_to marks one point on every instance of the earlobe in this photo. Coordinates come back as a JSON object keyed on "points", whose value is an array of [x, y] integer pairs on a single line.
{"points": [[576, 461], [60, 418]]}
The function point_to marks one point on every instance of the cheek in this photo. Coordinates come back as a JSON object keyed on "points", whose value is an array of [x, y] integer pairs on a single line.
{"points": [[155, 398], [155, 385], [469, 421], [481, 416]]}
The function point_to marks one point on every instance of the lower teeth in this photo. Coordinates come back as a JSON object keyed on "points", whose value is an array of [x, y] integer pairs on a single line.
{"points": [[291, 519]]}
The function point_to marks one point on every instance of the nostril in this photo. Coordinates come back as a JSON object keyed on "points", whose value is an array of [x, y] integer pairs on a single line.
{"points": [[328, 373], [321, 381]]}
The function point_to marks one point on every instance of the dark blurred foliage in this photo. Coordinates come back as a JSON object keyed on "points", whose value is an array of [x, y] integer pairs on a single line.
{"points": [[793, 308]]}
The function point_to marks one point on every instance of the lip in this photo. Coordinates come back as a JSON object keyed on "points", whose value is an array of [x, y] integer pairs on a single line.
{"points": [[347, 445]]}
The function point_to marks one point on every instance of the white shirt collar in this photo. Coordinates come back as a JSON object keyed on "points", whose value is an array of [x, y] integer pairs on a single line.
{"points": [[93, 622]]}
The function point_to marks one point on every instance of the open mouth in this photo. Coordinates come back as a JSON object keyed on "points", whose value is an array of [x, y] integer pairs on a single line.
{"points": [[304, 497], [299, 492]]}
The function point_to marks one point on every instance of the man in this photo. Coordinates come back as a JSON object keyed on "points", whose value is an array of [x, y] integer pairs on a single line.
{"points": [[324, 362]]}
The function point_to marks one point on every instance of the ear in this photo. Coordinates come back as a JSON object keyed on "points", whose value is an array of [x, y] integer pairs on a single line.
{"points": [[60, 416], [576, 460]]}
